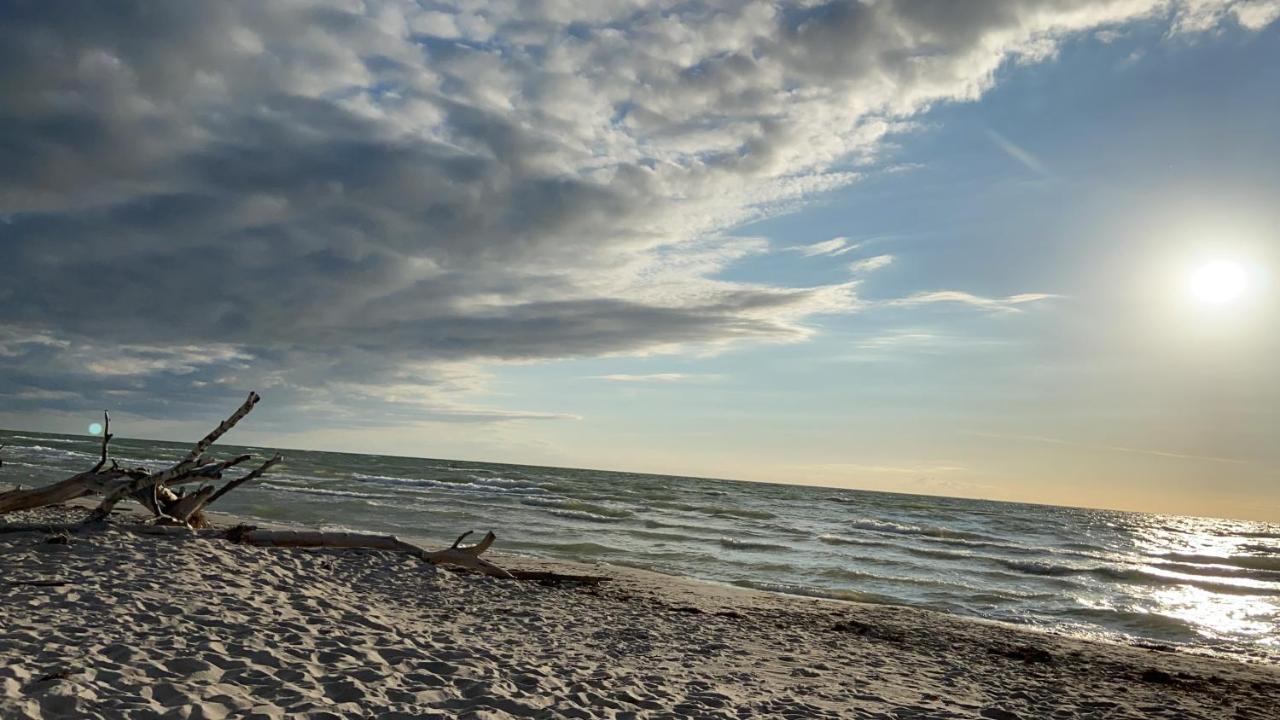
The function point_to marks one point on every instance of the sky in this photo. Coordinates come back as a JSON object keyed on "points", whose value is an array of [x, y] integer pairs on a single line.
{"points": [[918, 246]]}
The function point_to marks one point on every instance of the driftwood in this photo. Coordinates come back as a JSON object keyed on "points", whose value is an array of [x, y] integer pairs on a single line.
{"points": [[174, 511]]}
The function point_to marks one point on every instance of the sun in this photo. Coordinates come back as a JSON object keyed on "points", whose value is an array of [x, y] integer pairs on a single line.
{"points": [[1219, 282]]}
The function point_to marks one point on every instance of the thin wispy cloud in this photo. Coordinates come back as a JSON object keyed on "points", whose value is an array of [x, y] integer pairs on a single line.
{"points": [[1009, 303], [652, 377], [871, 264], [1018, 153], [834, 247]]}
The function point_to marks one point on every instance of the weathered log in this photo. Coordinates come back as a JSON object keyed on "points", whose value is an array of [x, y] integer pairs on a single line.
{"points": [[455, 555], [467, 557], [76, 486]]}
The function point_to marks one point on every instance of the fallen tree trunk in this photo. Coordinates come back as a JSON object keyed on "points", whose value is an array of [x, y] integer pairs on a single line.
{"points": [[76, 486], [176, 512]]}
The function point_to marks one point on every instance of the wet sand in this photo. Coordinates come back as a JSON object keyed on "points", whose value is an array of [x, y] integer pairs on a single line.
{"points": [[118, 625]]}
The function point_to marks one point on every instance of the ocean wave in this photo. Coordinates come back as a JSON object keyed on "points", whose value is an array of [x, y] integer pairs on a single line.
{"points": [[665, 537], [1013, 548], [940, 554], [144, 462], [885, 526], [669, 505], [46, 450], [17, 463], [845, 574], [1249, 562], [1061, 582], [1142, 575], [834, 539], [564, 504], [656, 524], [574, 549], [584, 515], [783, 529], [1141, 623], [940, 590], [67, 441], [326, 491], [459, 486], [1036, 567], [716, 510], [1263, 534], [736, 544], [727, 511], [1211, 571], [500, 480], [817, 592]]}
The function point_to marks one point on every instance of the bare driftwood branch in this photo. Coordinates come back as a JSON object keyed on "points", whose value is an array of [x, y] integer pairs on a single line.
{"points": [[180, 469], [254, 475], [76, 486], [465, 557], [106, 440]]}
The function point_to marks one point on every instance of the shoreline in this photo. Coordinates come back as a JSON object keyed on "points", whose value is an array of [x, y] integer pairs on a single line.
{"points": [[646, 575], [1158, 580], [202, 628]]}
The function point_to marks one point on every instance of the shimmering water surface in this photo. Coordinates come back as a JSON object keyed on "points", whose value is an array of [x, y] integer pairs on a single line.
{"points": [[1208, 584]]}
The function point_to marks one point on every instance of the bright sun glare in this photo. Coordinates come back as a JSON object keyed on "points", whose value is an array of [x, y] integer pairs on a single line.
{"points": [[1219, 282]]}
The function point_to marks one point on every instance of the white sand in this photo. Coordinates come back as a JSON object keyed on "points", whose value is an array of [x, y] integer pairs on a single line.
{"points": [[193, 628]]}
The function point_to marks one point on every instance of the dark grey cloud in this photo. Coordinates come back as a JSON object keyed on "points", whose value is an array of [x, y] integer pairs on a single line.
{"points": [[334, 198]]}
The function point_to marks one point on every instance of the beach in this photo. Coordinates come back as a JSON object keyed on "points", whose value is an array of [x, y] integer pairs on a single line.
{"points": [[113, 624], [1203, 584]]}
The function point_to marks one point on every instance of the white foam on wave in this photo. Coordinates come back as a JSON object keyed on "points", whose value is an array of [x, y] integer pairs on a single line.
{"points": [[66, 441], [427, 484], [325, 491]]}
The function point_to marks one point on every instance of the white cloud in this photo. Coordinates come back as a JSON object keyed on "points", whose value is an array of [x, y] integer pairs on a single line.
{"points": [[650, 378], [1256, 14], [870, 264], [833, 247], [1007, 303], [1022, 156]]}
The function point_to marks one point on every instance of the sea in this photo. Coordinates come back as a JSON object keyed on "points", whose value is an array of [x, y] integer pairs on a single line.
{"points": [[1199, 584]]}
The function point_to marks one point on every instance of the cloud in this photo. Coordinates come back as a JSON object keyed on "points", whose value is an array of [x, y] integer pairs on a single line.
{"points": [[834, 246], [1024, 158], [327, 198], [650, 378], [1194, 16], [1256, 14], [870, 264], [1008, 303]]}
